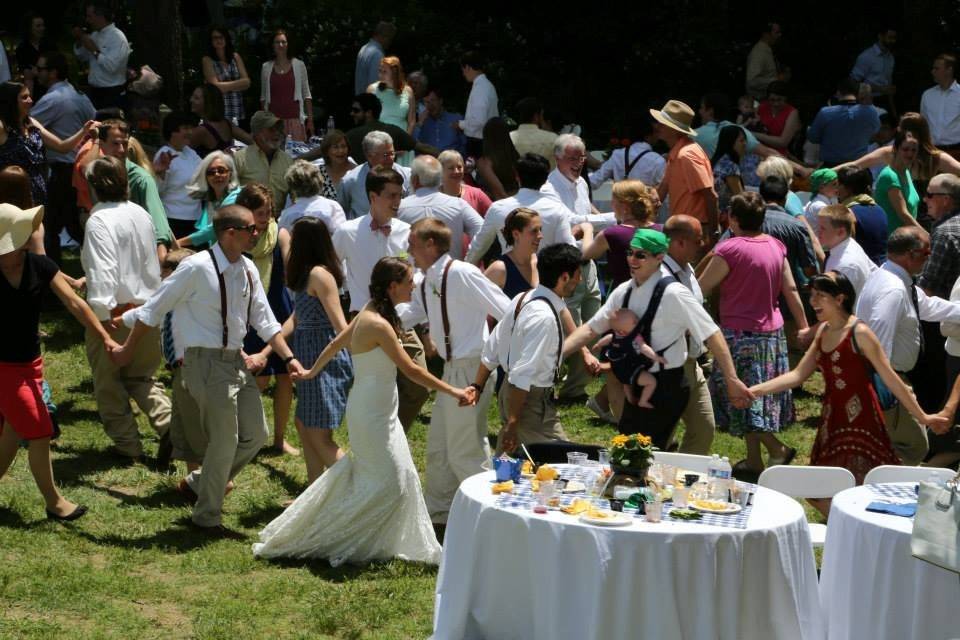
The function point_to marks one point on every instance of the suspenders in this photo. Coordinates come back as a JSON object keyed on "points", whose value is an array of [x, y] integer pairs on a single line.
{"points": [[443, 307], [223, 295], [556, 317]]}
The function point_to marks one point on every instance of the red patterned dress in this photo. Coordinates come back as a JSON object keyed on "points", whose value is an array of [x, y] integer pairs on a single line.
{"points": [[852, 433]]}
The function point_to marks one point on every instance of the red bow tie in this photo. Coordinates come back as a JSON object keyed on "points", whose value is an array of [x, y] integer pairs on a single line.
{"points": [[382, 228]]}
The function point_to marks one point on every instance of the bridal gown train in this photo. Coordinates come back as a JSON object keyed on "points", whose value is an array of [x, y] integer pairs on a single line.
{"points": [[367, 506]]}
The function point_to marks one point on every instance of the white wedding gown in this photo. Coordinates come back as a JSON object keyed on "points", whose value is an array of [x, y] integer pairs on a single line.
{"points": [[367, 506]]}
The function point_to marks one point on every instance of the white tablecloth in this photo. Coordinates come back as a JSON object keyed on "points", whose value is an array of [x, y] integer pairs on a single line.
{"points": [[870, 585], [515, 574]]}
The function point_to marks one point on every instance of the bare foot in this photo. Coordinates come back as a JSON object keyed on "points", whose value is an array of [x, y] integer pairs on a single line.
{"points": [[286, 448]]}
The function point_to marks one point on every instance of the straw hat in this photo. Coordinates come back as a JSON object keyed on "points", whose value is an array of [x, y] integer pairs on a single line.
{"points": [[676, 115], [16, 225]]}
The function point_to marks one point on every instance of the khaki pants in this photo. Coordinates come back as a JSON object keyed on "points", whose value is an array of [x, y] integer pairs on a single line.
{"points": [[457, 445], [231, 419], [909, 437], [583, 305], [113, 387], [538, 420], [411, 395], [698, 417], [187, 439]]}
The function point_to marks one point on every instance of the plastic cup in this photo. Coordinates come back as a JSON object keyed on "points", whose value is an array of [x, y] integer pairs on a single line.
{"points": [[576, 458], [680, 497], [653, 511]]}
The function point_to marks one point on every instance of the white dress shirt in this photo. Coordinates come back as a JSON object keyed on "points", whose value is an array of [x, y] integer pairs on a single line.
{"points": [[849, 259], [63, 110], [193, 290], [109, 67], [555, 219], [527, 351], [886, 307], [679, 312], [686, 277], [353, 189], [360, 247], [649, 169], [471, 297], [575, 195], [941, 108], [172, 188], [459, 216], [951, 330], [119, 257], [481, 106], [326, 209], [811, 210]]}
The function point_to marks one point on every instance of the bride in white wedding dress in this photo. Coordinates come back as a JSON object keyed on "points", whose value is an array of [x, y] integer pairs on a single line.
{"points": [[368, 506]]}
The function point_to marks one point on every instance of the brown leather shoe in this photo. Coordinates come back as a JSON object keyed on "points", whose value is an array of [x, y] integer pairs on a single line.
{"points": [[218, 532], [184, 489]]}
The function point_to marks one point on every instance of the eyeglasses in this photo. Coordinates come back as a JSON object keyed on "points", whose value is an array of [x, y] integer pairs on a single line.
{"points": [[250, 228], [386, 155], [933, 194], [218, 171], [574, 158], [638, 255]]}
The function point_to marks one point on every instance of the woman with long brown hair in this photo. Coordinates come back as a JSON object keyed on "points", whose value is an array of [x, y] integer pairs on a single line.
{"points": [[285, 89]]}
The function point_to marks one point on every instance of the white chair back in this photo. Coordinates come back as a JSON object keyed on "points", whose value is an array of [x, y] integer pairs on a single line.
{"points": [[688, 461], [807, 482], [897, 473]]}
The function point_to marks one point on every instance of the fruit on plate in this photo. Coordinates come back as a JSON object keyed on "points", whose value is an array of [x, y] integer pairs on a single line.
{"points": [[712, 505], [577, 507], [546, 472], [503, 487], [526, 468], [535, 485]]}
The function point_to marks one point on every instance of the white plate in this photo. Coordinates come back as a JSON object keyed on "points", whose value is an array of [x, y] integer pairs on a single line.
{"points": [[730, 508], [615, 520], [574, 486]]}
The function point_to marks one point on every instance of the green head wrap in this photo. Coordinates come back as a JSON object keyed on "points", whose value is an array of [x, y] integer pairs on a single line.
{"points": [[649, 240], [821, 177]]}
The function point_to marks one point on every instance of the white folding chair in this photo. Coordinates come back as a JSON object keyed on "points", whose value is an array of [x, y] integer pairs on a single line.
{"points": [[688, 461], [799, 481], [898, 473]]}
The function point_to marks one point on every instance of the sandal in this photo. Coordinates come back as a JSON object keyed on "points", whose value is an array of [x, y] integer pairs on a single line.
{"points": [[787, 459]]}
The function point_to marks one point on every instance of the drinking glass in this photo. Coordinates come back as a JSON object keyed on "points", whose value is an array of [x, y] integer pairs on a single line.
{"points": [[576, 458], [603, 455], [653, 510]]}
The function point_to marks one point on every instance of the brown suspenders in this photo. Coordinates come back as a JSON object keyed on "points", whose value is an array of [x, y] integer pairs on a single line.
{"points": [[223, 295], [443, 307]]}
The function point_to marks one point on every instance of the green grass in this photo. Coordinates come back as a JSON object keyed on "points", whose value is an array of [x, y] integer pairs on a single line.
{"points": [[132, 568]]}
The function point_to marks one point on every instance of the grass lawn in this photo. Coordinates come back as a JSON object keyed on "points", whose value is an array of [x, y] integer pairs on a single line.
{"points": [[132, 568]]}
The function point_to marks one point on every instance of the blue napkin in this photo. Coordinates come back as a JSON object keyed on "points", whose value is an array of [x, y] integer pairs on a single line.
{"points": [[906, 510]]}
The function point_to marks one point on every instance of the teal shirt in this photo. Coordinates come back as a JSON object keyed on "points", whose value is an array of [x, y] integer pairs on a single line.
{"points": [[708, 134], [794, 204], [890, 179], [204, 235], [143, 191]]}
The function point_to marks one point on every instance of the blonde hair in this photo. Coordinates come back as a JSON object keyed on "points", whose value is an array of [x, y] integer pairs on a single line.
{"points": [[637, 195], [775, 166], [433, 229], [138, 156], [839, 217]]}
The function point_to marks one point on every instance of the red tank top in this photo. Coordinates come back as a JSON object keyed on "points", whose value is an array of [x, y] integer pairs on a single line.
{"points": [[283, 103]]}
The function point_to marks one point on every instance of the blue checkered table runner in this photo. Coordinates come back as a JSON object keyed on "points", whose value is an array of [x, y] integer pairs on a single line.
{"points": [[899, 491], [524, 499]]}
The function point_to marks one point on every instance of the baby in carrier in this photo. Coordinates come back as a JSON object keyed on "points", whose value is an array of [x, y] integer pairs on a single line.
{"points": [[630, 356]]}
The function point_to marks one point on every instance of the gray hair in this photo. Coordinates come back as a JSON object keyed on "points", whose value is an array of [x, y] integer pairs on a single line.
{"points": [[949, 183], [198, 187], [775, 166], [566, 141], [375, 139], [417, 76], [905, 239], [428, 171], [303, 179], [448, 156]]}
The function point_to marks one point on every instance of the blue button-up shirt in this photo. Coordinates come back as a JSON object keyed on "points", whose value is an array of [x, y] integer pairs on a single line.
{"points": [[368, 66], [63, 111], [442, 133], [875, 66], [843, 131]]}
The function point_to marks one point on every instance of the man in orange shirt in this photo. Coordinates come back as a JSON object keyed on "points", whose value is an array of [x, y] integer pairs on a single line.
{"points": [[688, 179]]}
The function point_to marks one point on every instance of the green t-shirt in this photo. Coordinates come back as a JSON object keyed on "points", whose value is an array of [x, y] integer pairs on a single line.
{"points": [[143, 191], [890, 179]]}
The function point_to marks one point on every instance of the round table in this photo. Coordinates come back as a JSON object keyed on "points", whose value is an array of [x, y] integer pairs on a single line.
{"points": [[510, 573], [870, 584]]}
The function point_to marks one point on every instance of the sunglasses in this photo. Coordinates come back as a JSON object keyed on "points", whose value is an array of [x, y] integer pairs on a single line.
{"points": [[218, 171], [250, 228], [638, 255]]}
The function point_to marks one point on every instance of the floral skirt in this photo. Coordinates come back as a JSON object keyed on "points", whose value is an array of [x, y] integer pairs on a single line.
{"points": [[758, 357]]}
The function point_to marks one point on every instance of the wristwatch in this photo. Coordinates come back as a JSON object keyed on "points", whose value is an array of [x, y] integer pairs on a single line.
{"points": [[287, 361], [476, 386]]}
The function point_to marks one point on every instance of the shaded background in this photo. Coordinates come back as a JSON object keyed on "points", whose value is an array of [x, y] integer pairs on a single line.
{"points": [[597, 67]]}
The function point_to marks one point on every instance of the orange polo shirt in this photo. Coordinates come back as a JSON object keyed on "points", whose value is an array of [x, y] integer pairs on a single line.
{"points": [[688, 172]]}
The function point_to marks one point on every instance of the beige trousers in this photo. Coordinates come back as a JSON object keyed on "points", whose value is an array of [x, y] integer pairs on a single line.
{"points": [[539, 421], [457, 446], [698, 419], [113, 387], [909, 437]]}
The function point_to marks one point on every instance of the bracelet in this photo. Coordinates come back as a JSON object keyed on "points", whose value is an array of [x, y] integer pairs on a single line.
{"points": [[287, 361], [478, 387]]}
